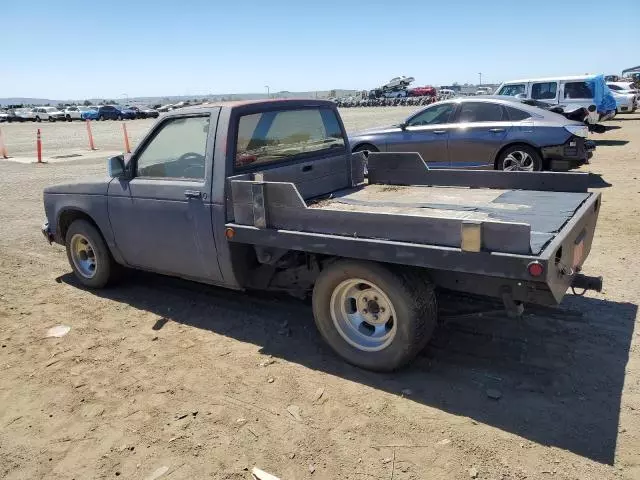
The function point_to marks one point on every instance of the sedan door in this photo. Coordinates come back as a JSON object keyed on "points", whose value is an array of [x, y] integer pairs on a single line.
{"points": [[478, 134], [426, 133], [162, 216]]}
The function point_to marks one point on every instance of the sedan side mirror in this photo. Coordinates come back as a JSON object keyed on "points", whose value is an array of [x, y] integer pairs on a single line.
{"points": [[115, 166], [403, 126]]}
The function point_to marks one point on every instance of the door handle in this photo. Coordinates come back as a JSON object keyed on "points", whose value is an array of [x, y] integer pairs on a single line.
{"points": [[307, 168], [192, 194], [439, 132], [496, 130]]}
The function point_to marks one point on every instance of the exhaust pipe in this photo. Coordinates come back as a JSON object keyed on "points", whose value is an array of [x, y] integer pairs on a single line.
{"points": [[586, 282]]}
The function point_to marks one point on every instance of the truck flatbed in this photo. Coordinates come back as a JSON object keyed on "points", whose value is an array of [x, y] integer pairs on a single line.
{"points": [[545, 212]]}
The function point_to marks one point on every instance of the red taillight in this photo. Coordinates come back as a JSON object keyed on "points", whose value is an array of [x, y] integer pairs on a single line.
{"points": [[535, 269]]}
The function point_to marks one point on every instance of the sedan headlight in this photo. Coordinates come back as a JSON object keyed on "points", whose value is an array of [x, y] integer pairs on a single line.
{"points": [[577, 130]]}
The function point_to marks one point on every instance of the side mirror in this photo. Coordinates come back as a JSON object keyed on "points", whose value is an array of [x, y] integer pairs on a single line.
{"points": [[115, 166], [403, 126]]}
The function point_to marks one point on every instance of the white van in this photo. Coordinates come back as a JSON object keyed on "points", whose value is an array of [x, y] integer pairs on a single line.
{"points": [[570, 90]]}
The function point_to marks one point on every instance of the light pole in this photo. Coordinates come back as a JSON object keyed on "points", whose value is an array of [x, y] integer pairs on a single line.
{"points": [[268, 94], [480, 74]]}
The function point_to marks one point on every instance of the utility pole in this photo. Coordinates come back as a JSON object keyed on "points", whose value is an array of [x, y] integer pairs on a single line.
{"points": [[480, 74], [268, 94]]}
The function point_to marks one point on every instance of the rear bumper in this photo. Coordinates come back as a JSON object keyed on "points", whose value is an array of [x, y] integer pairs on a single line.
{"points": [[573, 153]]}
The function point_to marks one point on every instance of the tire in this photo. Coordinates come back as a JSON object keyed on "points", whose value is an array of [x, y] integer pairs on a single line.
{"points": [[366, 148], [527, 157], [408, 295], [101, 118], [120, 117], [68, 118], [37, 119], [104, 269]]}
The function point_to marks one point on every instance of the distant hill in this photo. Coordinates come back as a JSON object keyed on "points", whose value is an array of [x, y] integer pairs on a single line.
{"points": [[179, 98]]}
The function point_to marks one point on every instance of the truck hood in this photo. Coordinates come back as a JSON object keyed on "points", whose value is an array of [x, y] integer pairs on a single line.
{"points": [[89, 186]]}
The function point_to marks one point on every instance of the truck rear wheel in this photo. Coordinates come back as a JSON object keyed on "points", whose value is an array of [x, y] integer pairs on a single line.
{"points": [[373, 317], [89, 255]]}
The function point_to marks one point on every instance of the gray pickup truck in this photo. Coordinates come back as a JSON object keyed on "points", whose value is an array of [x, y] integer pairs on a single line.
{"points": [[267, 195]]}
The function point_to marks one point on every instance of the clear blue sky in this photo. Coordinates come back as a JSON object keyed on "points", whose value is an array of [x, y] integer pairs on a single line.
{"points": [[75, 49]]}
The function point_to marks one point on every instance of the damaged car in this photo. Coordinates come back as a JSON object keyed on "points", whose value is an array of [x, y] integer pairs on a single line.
{"points": [[484, 133]]}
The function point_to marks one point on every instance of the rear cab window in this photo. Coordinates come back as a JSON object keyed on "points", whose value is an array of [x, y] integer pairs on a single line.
{"points": [[284, 135]]}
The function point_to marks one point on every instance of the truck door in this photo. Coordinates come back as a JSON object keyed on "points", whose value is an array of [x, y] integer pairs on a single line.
{"points": [[426, 133], [478, 134], [161, 216]]}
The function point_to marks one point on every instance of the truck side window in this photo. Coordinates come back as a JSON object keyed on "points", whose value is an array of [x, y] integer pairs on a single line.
{"points": [[284, 134], [177, 150], [544, 91]]}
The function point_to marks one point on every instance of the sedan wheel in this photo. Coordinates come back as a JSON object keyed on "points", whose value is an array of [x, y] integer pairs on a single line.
{"points": [[520, 158]]}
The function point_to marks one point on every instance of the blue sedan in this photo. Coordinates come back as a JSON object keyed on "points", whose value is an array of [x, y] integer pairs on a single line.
{"points": [[484, 133], [89, 113]]}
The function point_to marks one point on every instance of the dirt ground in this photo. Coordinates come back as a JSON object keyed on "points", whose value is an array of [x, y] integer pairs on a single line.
{"points": [[163, 378]]}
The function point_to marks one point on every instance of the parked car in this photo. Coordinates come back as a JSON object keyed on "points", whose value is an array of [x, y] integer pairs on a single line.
{"points": [[484, 91], [27, 114], [578, 90], [145, 112], [127, 113], [484, 133], [447, 92], [623, 87], [4, 115], [109, 112], [48, 113], [422, 92], [281, 205], [625, 102], [91, 113], [75, 112], [11, 115]]}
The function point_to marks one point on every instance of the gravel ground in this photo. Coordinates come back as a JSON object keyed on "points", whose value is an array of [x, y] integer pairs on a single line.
{"points": [[163, 378]]}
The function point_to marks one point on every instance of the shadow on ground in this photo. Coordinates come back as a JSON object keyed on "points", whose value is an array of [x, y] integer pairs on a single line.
{"points": [[610, 143], [596, 181], [619, 119], [560, 372]]}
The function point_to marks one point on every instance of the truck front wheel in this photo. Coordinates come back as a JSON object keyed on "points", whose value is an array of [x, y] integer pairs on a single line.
{"points": [[373, 317], [89, 255]]}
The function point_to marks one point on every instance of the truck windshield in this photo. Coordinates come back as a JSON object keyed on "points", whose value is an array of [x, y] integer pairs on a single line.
{"points": [[281, 135]]}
